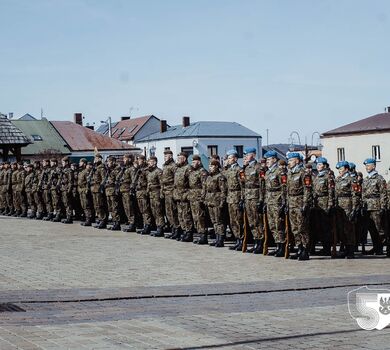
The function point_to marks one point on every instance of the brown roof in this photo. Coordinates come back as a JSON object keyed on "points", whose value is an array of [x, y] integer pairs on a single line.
{"points": [[80, 138], [126, 129], [10, 134], [376, 123]]}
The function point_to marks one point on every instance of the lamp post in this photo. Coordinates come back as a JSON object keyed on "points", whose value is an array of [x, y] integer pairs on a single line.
{"points": [[108, 122]]}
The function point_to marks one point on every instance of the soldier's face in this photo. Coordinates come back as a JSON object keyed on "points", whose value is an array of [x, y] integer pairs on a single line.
{"points": [[110, 163], [52, 164], [250, 156], [370, 167], [292, 162], [96, 160], [63, 164], [125, 160], [196, 163], [181, 159], [320, 166], [141, 162], [89, 167], [213, 168], [343, 170], [167, 157], [232, 159], [152, 163], [270, 161]]}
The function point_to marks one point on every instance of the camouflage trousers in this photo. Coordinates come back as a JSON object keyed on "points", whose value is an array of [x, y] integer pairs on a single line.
{"points": [[375, 225], [3, 199], [19, 203], [31, 202], [9, 201], [198, 215], [38, 201], [67, 201], [113, 207], [299, 226], [275, 222], [236, 220], [86, 204], [171, 210], [320, 226], [56, 201], [184, 215], [344, 227], [216, 216], [254, 220], [157, 209], [144, 208], [128, 206], [98, 204], [47, 201]]}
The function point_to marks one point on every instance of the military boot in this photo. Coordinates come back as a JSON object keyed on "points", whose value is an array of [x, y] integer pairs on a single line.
{"points": [[32, 215], [350, 252], [325, 251], [48, 217], [282, 251], [57, 218], [16, 213], [234, 247], [203, 239], [217, 238], [23, 214], [68, 220], [187, 237], [116, 226], [388, 251], [255, 246], [146, 230], [276, 251], [304, 254], [239, 247], [131, 228], [102, 225], [297, 254], [220, 242], [159, 232], [259, 247], [87, 222]]}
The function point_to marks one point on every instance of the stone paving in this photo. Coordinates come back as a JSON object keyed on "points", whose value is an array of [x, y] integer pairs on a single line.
{"points": [[83, 288]]}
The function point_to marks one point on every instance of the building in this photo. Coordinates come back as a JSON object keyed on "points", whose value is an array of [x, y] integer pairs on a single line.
{"points": [[365, 138], [205, 138], [130, 130], [12, 140]]}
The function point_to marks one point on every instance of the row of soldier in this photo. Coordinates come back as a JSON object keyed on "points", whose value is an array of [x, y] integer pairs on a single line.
{"points": [[290, 207]]}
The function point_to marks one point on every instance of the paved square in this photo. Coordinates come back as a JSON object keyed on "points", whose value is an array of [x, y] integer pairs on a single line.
{"points": [[83, 288]]}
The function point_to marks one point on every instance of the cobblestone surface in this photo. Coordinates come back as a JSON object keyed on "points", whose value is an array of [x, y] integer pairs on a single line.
{"points": [[88, 289]]}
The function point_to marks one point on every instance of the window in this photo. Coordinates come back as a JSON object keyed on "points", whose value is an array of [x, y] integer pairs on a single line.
{"points": [[36, 137], [188, 150], [240, 151], [376, 152], [340, 154], [212, 150], [167, 148]]}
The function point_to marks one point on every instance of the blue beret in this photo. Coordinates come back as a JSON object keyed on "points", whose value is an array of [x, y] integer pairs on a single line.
{"points": [[369, 161], [341, 164], [270, 154], [322, 160], [352, 165], [249, 150], [232, 152], [293, 155]]}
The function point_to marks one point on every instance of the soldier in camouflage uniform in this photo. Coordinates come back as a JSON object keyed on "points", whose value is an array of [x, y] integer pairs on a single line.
{"points": [[37, 191], [29, 183], [112, 172], [76, 204], [214, 194], [252, 194], [84, 190], [67, 182], [235, 198], [196, 178], [55, 189], [347, 204], [323, 200], [126, 179], [154, 191], [374, 203], [180, 195], [2, 196], [275, 180], [44, 184], [97, 189], [141, 184], [299, 199], [8, 185], [167, 186], [14, 181]]}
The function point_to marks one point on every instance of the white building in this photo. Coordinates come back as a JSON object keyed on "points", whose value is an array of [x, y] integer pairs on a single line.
{"points": [[205, 138], [354, 142]]}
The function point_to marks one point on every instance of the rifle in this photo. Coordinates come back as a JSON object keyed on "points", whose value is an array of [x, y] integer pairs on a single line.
{"points": [[265, 223], [287, 230]]}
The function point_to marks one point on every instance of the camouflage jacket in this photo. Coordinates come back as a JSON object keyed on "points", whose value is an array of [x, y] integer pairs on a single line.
{"points": [[29, 181], [323, 189], [111, 176], [275, 181], [215, 190], [252, 172], [196, 179], [20, 180], [234, 185], [154, 186], [54, 179], [346, 193], [126, 179], [98, 176], [141, 183], [67, 180], [37, 179], [83, 181], [180, 192], [299, 187], [374, 192], [168, 177]]}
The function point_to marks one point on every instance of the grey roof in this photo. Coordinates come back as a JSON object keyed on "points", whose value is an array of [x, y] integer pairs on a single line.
{"points": [[103, 128], [10, 134], [203, 129], [27, 117], [51, 140]]}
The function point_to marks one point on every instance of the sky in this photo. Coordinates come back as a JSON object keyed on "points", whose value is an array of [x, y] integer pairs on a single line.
{"points": [[283, 65]]}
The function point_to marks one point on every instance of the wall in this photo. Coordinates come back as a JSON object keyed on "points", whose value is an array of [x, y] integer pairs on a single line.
{"points": [[357, 149]]}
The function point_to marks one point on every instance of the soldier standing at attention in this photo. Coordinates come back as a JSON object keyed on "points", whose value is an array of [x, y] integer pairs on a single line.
{"points": [[167, 186], [76, 205], [252, 198], [141, 184], [196, 178], [84, 190], [374, 202], [299, 198], [111, 194], [44, 184], [346, 199], [275, 202], [55, 184], [235, 198], [67, 182], [180, 195], [37, 191], [28, 185], [2, 197], [98, 178], [215, 192], [14, 181], [126, 187]]}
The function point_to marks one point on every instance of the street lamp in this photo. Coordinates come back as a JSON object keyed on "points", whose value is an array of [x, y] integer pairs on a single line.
{"points": [[108, 122], [292, 139], [312, 137]]}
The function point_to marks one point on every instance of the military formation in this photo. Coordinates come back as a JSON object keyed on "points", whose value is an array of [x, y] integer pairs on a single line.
{"points": [[267, 206]]}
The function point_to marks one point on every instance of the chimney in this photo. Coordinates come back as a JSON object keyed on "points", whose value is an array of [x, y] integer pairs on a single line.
{"points": [[186, 122], [387, 109], [163, 126], [125, 118], [90, 127], [78, 118], [10, 115]]}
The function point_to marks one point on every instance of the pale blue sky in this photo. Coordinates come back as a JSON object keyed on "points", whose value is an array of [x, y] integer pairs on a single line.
{"points": [[277, 64]]}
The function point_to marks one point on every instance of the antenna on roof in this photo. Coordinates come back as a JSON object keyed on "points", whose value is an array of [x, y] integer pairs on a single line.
{"points": [[41, 112]]}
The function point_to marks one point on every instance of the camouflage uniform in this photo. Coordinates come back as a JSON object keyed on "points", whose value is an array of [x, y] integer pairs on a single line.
{"points": [[142, 196], [67, 182], [167, 186], [55, 191], [97, 179], [29, 183], [15, 198], [196, 179], [2, 195], [154, 191], [126, 187], [37, 193], [374, 202], [8, 196], [83, 187], [111, 195], [44, 184]]}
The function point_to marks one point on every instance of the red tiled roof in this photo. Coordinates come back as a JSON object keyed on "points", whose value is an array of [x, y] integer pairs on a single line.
{"points": [[80, 138], [125, 130], [376, 123]]}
